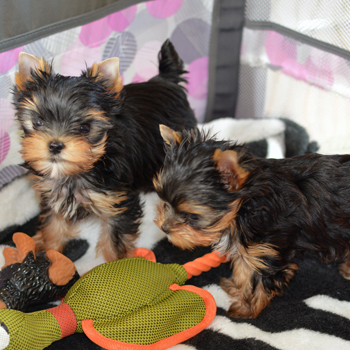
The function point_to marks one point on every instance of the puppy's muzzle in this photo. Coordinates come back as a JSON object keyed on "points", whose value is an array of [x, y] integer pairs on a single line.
{"points": [[165, 229], [56, 147]]}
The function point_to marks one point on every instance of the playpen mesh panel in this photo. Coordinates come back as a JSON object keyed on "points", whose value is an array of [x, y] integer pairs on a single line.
{"points": [[135, 35], [324, 20], [289, 74]]}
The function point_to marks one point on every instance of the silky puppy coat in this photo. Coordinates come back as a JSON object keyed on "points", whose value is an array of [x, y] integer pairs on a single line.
{"points": [[259, 212], [92, 144]]}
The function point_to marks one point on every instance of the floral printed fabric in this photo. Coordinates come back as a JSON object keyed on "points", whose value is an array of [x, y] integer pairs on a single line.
{"points": [[135, 35]]}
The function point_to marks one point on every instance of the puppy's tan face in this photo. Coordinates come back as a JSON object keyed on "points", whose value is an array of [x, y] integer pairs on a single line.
{"points": [[196, 185], [190, 225], [64, 119], [56, 147], [61, 156]]}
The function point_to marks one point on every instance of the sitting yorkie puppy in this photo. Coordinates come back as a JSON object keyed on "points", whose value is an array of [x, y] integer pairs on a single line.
{"points": [[259, 212], [92, 144]]}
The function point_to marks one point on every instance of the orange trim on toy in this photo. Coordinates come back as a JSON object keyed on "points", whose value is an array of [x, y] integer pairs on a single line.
{"points": [[65, 318], [204, 263], [110, 344], [145, 253]]}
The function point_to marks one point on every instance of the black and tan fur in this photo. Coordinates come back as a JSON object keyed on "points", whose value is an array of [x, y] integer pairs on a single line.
{"points": [[260, 212], [92, 144]]}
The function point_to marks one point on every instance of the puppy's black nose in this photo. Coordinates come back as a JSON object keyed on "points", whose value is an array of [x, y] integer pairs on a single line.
{"points": [[165, 229], [56, 147]]}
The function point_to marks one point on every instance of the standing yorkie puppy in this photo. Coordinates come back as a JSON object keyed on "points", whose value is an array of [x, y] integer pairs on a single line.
{"points": [[259, 212], [92, 144]]}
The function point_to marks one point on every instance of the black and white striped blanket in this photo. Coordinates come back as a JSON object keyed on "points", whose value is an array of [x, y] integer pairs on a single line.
{"points": [[313, 314]]}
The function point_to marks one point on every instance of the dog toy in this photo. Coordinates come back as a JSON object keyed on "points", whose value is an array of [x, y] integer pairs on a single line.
{"points": [[28, 278], [131, 303]]}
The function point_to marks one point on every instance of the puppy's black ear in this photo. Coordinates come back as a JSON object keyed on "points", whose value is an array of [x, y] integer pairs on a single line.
{"points": [[232, 173], [109, 70], [26, 65], [169, 135]]}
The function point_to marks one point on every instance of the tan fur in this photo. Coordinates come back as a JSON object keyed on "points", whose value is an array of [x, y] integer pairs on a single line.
{"points": [[109, 70], [31, 104], [193, 208], [253, 254], [247, 302], [157, 183], [97, 115], [26, 63], [55, 234], [77, 156], [187, 237], [169, 136], [93, 70], [60, 228], [106, 246], [228, 166], [344, 268], [103, 204]]}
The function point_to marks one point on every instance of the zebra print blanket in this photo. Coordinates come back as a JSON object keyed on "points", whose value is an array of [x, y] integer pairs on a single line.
{"points": [[313, 313]]}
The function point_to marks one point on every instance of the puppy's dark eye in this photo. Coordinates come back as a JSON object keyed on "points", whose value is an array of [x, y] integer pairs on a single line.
{"points": [[184, 216], [84, 128], [38, 122], [194, 217], [188, 217]]}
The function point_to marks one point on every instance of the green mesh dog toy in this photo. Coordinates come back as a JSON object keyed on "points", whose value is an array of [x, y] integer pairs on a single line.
{"points": [[132, 303]]}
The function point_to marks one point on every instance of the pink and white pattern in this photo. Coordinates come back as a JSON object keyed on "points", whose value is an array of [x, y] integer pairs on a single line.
{"points": [[135, 35]]}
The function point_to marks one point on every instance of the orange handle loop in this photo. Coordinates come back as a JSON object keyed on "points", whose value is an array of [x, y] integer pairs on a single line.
{"points": [[204, 263], [145, 253]]}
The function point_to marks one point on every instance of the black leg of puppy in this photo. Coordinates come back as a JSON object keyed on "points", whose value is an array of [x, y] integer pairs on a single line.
{"points": [[92, 145], [259, 212]]}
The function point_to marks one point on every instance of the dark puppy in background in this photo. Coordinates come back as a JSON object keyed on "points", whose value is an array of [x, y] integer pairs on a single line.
{"points": [[259, 212], [92, 144]]}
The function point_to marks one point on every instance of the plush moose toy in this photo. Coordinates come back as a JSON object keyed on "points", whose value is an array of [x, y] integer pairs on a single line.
{"points": [[118, 305]]}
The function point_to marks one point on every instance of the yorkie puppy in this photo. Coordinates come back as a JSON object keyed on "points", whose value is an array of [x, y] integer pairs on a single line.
{"points": [[258, 211], [92, 144]]}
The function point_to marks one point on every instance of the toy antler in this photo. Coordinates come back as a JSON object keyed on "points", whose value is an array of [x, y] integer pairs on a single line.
{"points": [[27, 278], [24, 244]]}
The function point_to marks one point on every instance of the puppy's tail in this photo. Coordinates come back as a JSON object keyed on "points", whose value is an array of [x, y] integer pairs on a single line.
{"points": [[171, 67]]}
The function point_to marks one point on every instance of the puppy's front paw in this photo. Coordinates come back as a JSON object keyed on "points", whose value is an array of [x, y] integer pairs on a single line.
{"points": [[239, 308], [344, 269], [246, 301]]}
